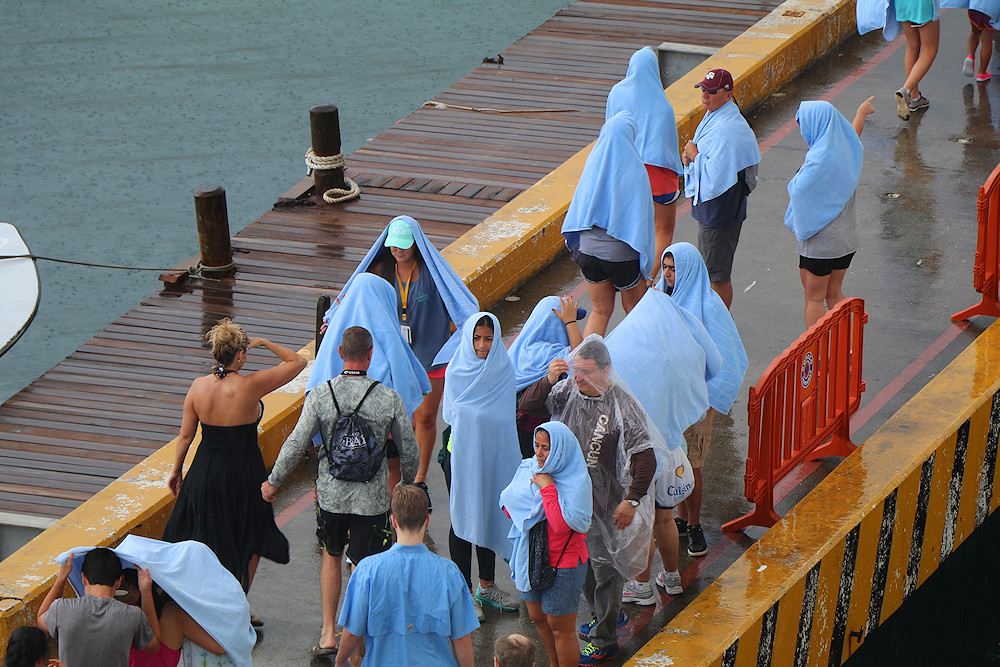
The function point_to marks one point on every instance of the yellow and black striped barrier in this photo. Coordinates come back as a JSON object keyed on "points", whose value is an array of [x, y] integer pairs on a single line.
{"points": [[848, 555]]}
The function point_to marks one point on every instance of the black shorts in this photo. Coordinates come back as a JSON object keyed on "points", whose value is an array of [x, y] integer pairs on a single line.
{"points": [[824, 267], [363, 535], [624, 275]]}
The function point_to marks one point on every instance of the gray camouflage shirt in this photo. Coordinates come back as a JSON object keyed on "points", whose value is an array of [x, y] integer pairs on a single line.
{"points": [[384, 412]]}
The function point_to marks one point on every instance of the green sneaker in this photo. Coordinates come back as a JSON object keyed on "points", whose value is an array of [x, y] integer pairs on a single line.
{"points": [[494, 596]]}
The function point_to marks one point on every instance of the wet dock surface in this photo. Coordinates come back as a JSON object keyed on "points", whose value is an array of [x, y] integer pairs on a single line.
{"points": [[118, 398], [914, 270]]}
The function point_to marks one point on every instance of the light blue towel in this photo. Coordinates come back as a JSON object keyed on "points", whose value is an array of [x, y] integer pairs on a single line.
{"points": [[371, 303], [989, 7], [726, 146], [614, 193], [523, 499], [479, 404], [458, 300], [826, 181], [641, 94], [542, 339], [665, 357], [193, 577], [881, 14], [693, 292]]}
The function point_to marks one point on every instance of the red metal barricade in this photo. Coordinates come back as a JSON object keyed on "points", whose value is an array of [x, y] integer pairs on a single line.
{"points": [[802, 405], [986, 273]]}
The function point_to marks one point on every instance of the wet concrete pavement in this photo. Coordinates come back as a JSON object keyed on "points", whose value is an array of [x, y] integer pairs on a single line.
{"points": [[917, 207]]}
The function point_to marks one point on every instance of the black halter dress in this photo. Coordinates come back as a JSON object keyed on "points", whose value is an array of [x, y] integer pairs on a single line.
{"points": [[220, 505]]}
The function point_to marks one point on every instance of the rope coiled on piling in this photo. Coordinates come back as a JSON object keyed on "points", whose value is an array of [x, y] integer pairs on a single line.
{"points": [[333, 195]]}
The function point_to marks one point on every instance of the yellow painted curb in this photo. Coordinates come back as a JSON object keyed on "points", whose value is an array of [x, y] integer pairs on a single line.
{"points": [[506, 249]]}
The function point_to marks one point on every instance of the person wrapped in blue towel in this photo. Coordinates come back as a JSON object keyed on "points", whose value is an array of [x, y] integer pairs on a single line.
{"points": [[481, 455], [821, 209]]}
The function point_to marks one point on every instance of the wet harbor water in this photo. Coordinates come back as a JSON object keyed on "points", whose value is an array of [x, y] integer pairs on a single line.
{"points": [[113, 114]]}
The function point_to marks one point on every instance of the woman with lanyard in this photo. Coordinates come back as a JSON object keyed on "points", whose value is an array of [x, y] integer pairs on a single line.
{"points": [[482, 454], [821, 209], [554, 487], [641, 94], [430, 297]]}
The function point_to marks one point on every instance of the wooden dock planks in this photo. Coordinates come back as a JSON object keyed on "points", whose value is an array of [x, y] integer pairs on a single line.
{"points": [[118, 398]]}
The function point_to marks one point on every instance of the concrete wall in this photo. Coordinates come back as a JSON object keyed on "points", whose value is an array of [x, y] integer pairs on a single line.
{"points": [[848, 554]]}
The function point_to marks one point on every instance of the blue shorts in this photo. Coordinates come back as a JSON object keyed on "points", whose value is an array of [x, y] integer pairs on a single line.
{"points": [[563, 596]]}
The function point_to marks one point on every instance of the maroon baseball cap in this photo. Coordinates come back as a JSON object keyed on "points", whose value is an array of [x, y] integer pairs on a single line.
{"points": [[717, 79]]}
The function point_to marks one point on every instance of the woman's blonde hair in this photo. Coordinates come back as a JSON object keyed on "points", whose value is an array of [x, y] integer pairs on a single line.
{"points": [[227, 338]]}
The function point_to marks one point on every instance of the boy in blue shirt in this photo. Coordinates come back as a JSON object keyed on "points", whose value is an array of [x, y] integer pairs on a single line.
{"points": [[394, 599]]}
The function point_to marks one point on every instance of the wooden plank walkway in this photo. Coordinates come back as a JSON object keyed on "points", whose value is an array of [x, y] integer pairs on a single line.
{"points": [[118, 398]]}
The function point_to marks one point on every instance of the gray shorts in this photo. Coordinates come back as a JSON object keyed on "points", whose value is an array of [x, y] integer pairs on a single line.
{"points": [[563, 596], [718, 247]]}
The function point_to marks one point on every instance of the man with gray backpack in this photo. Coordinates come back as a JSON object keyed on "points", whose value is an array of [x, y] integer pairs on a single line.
{"points": [[355, 416]]}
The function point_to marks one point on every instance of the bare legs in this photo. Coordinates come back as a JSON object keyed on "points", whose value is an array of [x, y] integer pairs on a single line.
{"points": [[329, 586], [690, 507], [602, 296], [664, 217], [921, 49], [425, 426], [822, 292], [558, 635], [984, 40], [725, 292]]}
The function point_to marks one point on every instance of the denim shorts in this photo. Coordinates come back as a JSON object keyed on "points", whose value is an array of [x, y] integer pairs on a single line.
{"points": [[563, 596]]}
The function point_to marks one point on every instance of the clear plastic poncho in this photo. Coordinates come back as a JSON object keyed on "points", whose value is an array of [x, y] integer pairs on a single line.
{"points": [[611, 426]]}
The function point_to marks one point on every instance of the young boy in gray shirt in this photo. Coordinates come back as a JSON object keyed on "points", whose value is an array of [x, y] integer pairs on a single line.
{"points": [[96, 629]]}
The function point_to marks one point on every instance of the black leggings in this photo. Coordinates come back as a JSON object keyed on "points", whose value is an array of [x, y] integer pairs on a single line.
{"points": [[460, 550]]}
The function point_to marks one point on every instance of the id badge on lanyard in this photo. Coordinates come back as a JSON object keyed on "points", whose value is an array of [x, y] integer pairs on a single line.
{"points": [[407, 335]]}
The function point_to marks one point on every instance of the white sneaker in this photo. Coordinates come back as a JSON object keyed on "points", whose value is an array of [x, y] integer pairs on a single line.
{"points": [[969, 66], [638, 592], [671, 581], [478, 606]]}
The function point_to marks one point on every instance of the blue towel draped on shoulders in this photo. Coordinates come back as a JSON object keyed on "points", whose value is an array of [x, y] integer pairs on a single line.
{"points": [[665, 356], [693, 292], [523, 499], [989, 7], [641, 94], [193, 577], [458, 300], [480, 407], [542, 339], [371, 303], [826, 181], [614, 193], [726, 146], [881, 15]]}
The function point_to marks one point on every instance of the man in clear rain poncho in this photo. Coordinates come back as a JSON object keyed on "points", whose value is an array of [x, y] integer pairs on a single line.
{"points": [[618, 442]]}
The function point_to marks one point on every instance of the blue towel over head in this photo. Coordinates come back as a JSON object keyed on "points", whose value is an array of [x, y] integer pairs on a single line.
{"points": [[641, 94], [726, 146], [193, 577], [523, 499], [542, 339], [458, 300], [371, 303], [665, 356], [479, 405], [693, 292], [826, 181], [614, 193]]}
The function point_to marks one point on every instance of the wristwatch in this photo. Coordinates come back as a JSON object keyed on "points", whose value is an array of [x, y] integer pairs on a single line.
{"points": [[633, 503]]}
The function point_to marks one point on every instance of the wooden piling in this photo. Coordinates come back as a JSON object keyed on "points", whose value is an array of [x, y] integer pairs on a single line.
{"points": [[213, 231], [324, 125]]}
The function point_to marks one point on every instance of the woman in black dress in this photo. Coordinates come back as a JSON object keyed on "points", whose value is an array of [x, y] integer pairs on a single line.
{"points": [[219, 501]]}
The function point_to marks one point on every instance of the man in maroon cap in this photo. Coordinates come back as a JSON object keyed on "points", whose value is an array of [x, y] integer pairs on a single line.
{"points": [[720, 171]]}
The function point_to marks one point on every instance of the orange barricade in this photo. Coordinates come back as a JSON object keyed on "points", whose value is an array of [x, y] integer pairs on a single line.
{"points": [[802, 405], [986, 273]]}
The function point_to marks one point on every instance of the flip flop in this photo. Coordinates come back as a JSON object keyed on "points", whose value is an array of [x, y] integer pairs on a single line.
{"points": [[256, 621], [320, 651]]}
